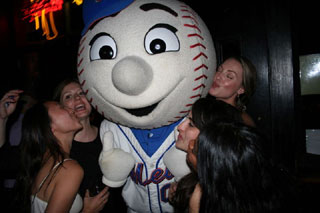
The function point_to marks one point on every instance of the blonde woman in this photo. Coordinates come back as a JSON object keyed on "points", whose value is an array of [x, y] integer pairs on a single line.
{"points": [[235, 83]]}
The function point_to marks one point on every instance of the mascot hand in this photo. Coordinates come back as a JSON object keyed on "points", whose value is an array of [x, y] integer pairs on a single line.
{"points": [[175, 161], [115, 164]]}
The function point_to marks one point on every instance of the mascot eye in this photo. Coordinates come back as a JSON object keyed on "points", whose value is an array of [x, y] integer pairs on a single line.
{"points": [[161, 38], [102, 47]]}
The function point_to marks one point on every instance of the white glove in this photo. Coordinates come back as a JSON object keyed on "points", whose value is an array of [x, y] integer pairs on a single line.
{"points": [[176, 161], [115, 164]]}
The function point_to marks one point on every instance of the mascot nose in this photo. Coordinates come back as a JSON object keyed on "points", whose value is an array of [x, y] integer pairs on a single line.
{"points": [[132, 75]]}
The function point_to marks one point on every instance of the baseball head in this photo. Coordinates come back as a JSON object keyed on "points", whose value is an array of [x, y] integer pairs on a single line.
{"points": [[145, 64]]}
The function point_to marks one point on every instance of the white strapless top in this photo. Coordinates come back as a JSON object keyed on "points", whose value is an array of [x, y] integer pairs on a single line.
{"points": [[39, 206]]}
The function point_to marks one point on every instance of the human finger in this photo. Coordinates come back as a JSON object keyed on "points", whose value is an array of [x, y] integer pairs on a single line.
{"points": [[105, 196], [172, 190], [87, 194], [104, 191], [12, 96], [12, 93]]}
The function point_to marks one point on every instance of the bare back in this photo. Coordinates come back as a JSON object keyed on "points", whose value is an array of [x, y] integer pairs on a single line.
{"points": [[60, 184]]}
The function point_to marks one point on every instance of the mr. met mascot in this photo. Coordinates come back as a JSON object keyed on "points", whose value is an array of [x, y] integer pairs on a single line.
{"points": [[143, 64]]}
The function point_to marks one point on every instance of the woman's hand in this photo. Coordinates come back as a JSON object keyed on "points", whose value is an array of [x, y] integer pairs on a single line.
{"points": [[8, 103], [96, 203], [172, 190]]}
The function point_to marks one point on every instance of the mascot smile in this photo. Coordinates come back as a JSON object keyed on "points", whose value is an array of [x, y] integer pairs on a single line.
{"points": [[143, 64]]}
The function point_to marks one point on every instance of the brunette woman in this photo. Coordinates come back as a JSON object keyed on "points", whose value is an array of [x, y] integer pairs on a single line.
{"points": [[50, 179]]}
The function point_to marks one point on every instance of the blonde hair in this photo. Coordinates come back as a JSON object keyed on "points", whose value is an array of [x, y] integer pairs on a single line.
{"points": [[249, 82]]}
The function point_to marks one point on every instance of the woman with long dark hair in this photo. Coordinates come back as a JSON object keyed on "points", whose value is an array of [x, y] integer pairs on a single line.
{"points": [[234, 174], [49, 179], [204, 111]]}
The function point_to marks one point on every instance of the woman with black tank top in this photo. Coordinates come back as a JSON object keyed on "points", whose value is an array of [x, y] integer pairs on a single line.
{"points": [[86, 146]]}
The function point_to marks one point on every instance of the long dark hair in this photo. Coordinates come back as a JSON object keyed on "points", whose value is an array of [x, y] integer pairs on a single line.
{"points": [[37, 139], [234, 174], [204, 111]]}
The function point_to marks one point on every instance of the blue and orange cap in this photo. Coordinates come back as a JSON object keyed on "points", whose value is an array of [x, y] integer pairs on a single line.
{"points": [[93, 10]]}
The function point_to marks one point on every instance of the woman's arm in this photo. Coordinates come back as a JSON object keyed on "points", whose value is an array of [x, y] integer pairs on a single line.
{"points": [[66, 187], [8, 104], [194, 203]]}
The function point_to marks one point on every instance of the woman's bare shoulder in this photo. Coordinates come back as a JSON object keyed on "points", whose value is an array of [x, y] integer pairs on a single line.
{"points": [[71, 168]]}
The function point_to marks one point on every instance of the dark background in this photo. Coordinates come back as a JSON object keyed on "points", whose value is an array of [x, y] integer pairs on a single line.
{"points": [[272, 34]]}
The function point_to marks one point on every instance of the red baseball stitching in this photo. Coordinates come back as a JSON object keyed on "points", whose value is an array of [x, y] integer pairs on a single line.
{"points": [[195, 34], [198, 45], [198, 87], [80, 62], [192, 26], [82, 83], [200, 67], [186, 9], [195, 96], [81, 71], [200, 77], [184, 112], [199, 55], [81, 50], [82, 40], [203, 67], [190, 17]]}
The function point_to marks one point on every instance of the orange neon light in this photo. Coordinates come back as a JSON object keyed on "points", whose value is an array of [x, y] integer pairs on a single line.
{"points": [[39, 8], [78, 2]]}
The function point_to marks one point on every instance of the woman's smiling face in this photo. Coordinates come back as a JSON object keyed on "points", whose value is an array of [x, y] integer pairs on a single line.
{"points": [[72, 96]]}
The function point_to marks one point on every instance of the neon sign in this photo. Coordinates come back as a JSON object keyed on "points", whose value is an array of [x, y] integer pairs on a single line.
{"points": [[37, 10]]}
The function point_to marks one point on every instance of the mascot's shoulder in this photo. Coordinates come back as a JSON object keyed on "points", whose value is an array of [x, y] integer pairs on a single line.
{"points": [[107, 125]]}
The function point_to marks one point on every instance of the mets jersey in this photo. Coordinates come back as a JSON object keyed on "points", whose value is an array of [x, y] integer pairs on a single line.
{"points": [[147, 187]]}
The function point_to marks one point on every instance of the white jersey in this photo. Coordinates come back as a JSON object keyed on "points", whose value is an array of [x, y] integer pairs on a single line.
{"points": [[147, 186]]}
